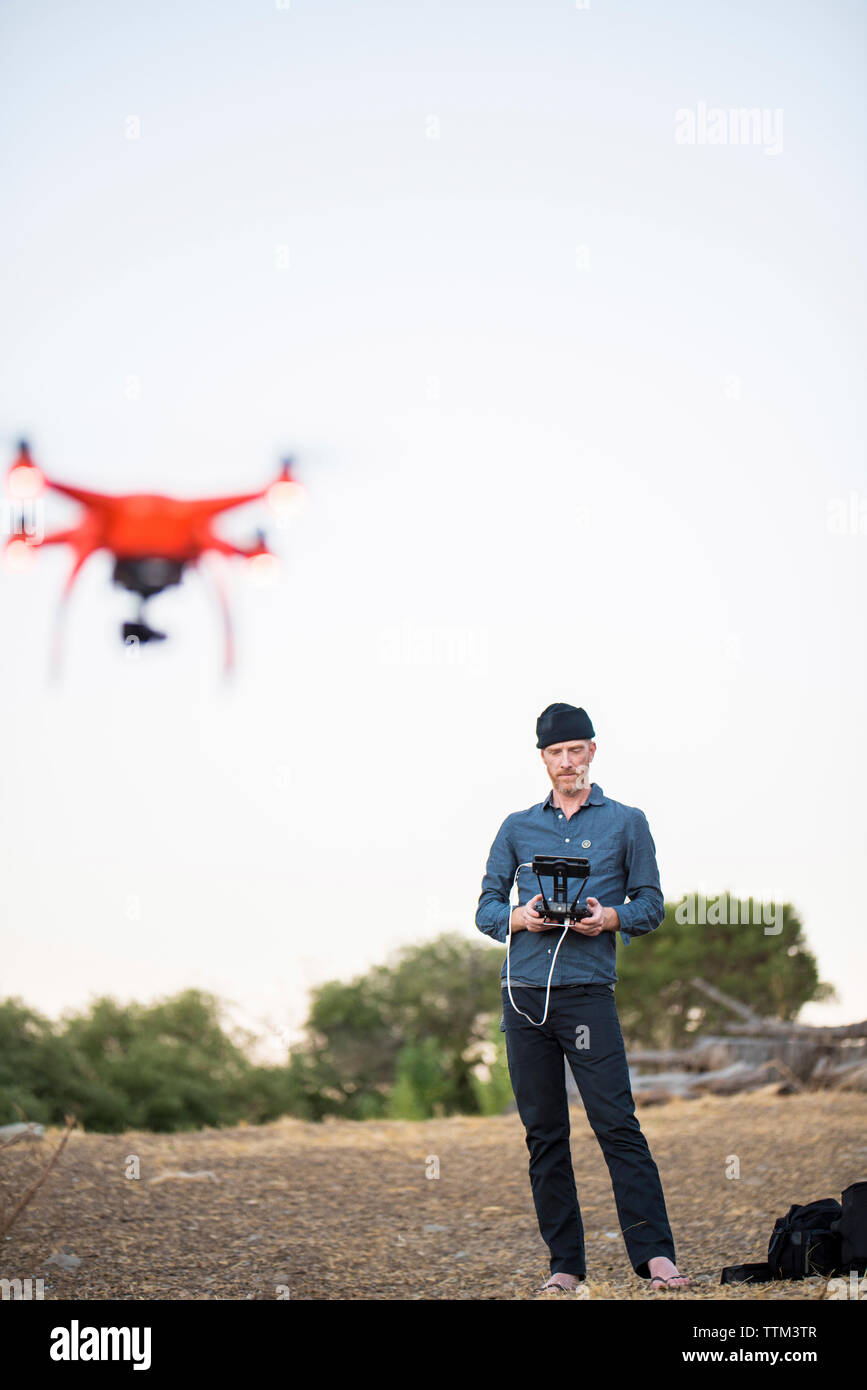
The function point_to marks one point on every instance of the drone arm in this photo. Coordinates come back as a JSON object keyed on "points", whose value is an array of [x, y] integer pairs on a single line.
{"points": [[80, 494], [214, 505], [229, 548], [71, 536]]}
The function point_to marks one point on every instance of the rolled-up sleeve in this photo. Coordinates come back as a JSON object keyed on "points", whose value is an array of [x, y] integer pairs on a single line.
{"points": [[645, 910], [494, 911]]}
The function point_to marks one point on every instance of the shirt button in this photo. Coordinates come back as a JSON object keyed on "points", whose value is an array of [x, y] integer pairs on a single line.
{"points": [[567, 839], [560, 817]]}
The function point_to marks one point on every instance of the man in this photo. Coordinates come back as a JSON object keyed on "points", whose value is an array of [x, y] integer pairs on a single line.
{"points": [[576, 819]]}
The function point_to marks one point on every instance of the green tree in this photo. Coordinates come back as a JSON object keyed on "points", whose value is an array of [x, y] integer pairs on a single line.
{"points": [[416, 1037], [422, 1084], [773, 973], [410, 1025], [493, 1088], [165, 1066], [37, 1069]]}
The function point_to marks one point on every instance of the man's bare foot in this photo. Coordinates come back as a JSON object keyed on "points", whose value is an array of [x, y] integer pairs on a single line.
{"points": [[664, 1275], [566, 1282]]}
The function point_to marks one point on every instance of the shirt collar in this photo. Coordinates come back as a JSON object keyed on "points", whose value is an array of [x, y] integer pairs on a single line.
{"points": [[595, 798]]}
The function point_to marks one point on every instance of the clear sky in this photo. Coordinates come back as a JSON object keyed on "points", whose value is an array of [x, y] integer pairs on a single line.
{"points": [[572, 365]]}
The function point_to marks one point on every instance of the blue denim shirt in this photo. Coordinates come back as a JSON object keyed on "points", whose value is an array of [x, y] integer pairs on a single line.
{"points": [[617, 841]]}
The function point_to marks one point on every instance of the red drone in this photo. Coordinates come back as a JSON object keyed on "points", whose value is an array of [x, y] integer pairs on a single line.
{"points": [[152, 538]]}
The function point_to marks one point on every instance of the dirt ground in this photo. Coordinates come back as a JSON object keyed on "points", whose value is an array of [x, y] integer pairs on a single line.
{"points": [[439, 1209]]}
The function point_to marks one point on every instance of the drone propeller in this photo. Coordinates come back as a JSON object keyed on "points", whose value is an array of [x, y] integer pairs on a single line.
{"points": [[23, 478], [286, 496]]}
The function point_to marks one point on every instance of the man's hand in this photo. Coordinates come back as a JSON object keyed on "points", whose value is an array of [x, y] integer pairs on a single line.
{"points": [[527, 919], [600, 919]]}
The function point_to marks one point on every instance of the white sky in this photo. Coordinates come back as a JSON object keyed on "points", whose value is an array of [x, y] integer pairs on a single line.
{"points": [[579, 408]]}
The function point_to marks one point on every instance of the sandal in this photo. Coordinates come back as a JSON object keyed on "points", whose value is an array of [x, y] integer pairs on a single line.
{"points": [[552, 1287], [667, 1284]]}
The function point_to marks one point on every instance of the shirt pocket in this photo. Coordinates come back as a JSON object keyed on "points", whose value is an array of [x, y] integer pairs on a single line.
{"points": [[606, 862]]}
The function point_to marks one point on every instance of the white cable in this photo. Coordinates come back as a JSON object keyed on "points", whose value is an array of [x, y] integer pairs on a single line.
{"points": [[534, 1022]]}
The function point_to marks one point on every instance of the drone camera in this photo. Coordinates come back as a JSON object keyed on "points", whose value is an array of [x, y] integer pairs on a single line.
{"points": [[141, 632]]}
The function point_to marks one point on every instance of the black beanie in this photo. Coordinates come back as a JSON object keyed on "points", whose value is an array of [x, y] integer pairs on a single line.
{"points": [[561, 723]]}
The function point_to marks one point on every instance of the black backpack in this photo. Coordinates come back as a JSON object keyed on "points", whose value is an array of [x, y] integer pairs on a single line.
{"points": [[821, 1237], [853, 1228]]}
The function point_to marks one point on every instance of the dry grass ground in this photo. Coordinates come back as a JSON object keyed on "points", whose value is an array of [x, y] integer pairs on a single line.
{"points": [[347, 1211]]}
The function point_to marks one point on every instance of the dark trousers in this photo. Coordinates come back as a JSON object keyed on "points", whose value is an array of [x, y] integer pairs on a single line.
{"points": [[582, 1024]]}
